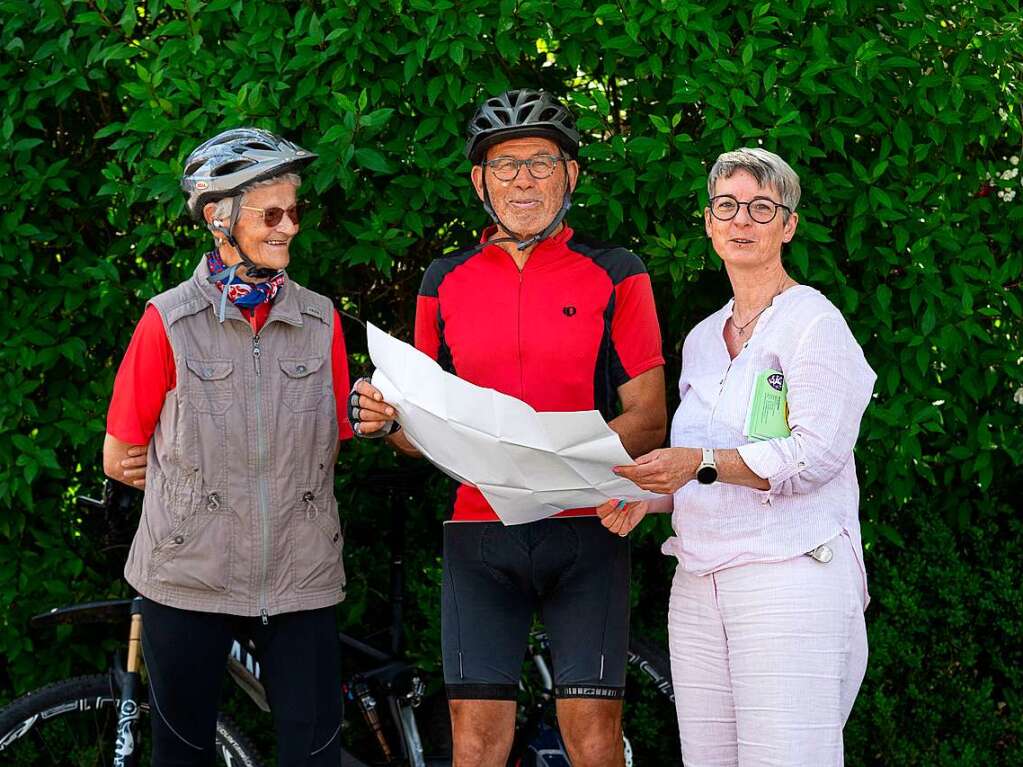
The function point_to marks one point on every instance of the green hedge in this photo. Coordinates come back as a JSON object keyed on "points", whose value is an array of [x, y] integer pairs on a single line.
{"points": [[902, 120]]}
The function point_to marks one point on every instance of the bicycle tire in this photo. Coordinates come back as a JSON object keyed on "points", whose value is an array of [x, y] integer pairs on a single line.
{"points": [[72, 722]]}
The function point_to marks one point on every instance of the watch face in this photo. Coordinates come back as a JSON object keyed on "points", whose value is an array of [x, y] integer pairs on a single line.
{"points": [[706, 475]]}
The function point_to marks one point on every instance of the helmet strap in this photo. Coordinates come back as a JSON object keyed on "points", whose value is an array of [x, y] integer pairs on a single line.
{"points": [[252, 269]]}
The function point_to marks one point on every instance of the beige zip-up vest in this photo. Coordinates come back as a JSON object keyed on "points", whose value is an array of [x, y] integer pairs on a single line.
{"points": [[239, 515]]}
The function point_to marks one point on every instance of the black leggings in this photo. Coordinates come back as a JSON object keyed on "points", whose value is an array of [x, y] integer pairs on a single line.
{"points": [[186, 656]]}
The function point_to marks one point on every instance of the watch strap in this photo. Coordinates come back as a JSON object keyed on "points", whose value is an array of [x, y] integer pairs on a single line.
{"points": [[708, 458]]}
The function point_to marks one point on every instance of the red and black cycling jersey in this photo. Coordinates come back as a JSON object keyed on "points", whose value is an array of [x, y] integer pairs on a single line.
{"points": [[562, 334]]}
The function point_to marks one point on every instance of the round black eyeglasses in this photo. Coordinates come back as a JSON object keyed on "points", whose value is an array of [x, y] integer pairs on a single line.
{"points": [[724, 207]]}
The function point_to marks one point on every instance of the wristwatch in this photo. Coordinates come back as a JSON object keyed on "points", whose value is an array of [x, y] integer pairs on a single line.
{"points": [[707, 471]]}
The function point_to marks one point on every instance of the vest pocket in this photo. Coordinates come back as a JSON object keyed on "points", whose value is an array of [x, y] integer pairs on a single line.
{"points": [[302, 387], [318, 544], [210, 387], [197, 553]]}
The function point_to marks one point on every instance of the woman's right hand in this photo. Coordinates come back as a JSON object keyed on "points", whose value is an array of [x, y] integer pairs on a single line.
{"points": [[621, 517], [368, 410]]}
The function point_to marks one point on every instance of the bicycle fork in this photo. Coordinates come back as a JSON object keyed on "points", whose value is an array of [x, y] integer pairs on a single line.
{"points": [[126, 748], [401, 711], [368, 706]]}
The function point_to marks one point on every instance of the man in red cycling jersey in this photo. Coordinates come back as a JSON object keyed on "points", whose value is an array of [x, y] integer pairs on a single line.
{"points": [[227, 409], [565, 324]]}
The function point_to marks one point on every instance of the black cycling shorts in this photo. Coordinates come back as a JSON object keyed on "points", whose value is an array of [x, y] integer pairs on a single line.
{"points": [[571, 569]]}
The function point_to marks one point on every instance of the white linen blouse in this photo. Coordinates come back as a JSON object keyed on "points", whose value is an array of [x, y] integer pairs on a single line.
{"points": [[814, 494]]}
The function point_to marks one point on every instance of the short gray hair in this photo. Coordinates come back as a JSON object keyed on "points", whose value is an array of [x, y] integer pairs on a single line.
{"points": [[225, 206], [766, 167]]}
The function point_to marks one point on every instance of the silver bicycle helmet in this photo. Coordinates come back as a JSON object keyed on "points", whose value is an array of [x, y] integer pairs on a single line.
{"points": [[518, 113], [234, 159]]}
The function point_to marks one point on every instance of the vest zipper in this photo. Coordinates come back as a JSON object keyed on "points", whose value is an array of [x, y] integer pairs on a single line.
{"points": [[256, 353], [264, 514]]}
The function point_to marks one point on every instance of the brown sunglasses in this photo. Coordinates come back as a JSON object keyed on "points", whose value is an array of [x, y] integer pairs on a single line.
{"points": [[272, 216]]}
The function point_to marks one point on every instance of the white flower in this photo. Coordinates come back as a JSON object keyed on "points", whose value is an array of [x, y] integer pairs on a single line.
{"points": [[1010, 195], [1018, 396], [1014, 160]]}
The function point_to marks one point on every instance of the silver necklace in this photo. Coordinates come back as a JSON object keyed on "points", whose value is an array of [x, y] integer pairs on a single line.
{"points": [[741, 329]]}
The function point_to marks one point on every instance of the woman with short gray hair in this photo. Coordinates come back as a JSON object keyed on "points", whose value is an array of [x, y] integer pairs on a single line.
{"points": [[765, 622]]}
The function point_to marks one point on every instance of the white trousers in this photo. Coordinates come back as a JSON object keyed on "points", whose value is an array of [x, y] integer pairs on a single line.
{"points": [[766, 660]]}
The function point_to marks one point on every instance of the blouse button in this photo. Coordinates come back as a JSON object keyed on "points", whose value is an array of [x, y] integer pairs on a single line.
{"points": [[179, 539], [300, 368]]}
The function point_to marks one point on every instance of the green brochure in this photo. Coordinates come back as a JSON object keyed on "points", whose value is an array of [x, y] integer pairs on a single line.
{"points": [[768, 413]]}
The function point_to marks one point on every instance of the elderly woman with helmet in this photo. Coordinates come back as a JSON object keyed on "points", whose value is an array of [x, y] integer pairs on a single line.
{"points": [[226, 411], [765, 623]]}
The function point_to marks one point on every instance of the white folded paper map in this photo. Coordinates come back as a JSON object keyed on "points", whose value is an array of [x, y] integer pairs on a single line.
{"points": [[528, 465]]}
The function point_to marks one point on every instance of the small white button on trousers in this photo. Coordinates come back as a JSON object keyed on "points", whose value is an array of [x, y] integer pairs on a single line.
{"points": [[766, 660]]}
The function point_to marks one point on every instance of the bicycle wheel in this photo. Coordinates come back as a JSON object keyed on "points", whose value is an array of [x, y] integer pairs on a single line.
{"points": [[72, 723]]}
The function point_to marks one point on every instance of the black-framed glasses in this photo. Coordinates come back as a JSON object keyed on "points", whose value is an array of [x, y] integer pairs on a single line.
{"points": [[724, 207], [539, 167], [272, 216]]}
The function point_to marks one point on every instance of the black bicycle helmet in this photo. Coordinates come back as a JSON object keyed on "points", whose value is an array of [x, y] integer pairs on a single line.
{"points": [[517, 113], [234, 159]]}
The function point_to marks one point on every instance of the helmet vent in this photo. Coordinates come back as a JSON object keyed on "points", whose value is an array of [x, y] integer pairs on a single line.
{"points": [[231, 167]]}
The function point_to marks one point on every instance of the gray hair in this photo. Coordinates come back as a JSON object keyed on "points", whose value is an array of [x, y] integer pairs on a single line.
{"points": [[225, 206], [766, 167]]}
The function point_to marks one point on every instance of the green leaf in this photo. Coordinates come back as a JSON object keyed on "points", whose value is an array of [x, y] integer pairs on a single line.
{"points": [[371, 159], [902, 135], [457, 52], [376, 118], [434, 88]]}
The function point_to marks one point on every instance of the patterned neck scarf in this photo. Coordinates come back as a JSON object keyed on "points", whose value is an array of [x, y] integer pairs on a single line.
{"points": [[240, 293]]}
